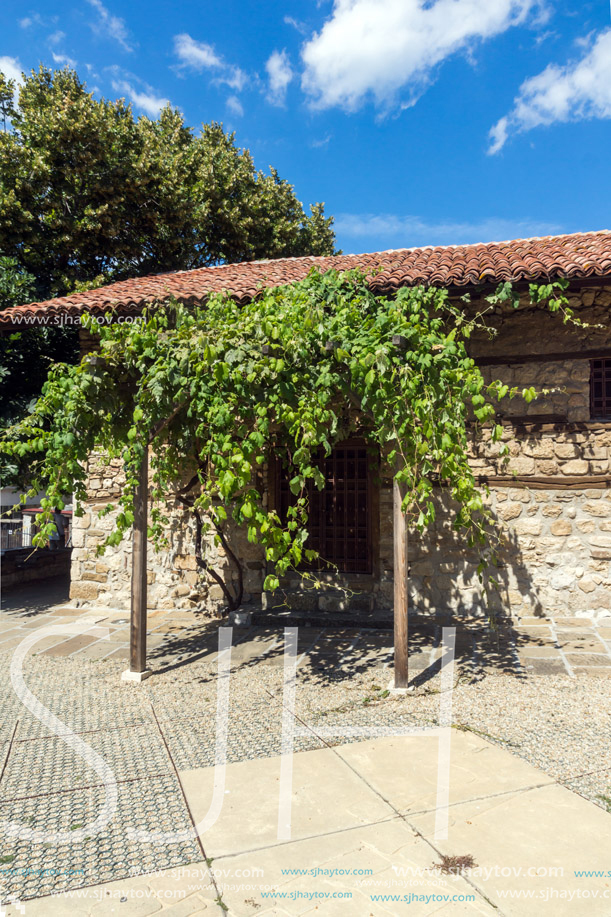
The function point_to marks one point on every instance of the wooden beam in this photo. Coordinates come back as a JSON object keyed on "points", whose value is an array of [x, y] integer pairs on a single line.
{"points": [[400, 584], [556, 357], [555, 482], [137, 633]]}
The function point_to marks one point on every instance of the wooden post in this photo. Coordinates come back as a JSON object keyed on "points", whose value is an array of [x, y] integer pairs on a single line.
{"points": [[400, 583], [137, 631]]}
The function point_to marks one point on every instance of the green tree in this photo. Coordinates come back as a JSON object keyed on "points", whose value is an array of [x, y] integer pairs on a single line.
{"points": [[87, 190], [27, 355], [90, 194]]}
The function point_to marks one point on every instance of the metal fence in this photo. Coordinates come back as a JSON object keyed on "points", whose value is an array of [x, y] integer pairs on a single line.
{"points": [[13, 537]]}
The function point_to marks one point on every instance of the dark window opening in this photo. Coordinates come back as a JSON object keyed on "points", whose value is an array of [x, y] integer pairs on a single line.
{"points": [[339, 522], [600, 389]]}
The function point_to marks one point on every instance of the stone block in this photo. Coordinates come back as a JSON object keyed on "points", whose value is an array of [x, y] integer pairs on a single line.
{"points": [[544, 449], [522, 465], [602, 508], [576, 466], [552, 509], [562, 579], [83, 590], [94, 577], [546, 467], [561, 527], [594, 451], [601, 541], [527, 527], [345, 603], [78, 537], [566, 450], [509, 511]]}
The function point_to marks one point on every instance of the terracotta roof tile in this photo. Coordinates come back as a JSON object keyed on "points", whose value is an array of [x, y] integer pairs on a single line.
{"points": [[579, 255]]}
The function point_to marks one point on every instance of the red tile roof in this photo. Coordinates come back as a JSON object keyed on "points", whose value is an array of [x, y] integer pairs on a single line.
{"points": [[580, 255]]}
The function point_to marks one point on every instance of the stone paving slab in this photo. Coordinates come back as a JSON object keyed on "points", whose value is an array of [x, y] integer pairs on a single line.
{"points": [[380, 850], [476, 769], [183, 635], [541, 829], [327, 797]]}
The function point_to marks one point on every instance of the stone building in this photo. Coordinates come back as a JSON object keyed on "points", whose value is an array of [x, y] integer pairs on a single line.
{"points": [[552, 500]]}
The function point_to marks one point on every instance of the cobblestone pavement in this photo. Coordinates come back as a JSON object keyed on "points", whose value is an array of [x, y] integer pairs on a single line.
{"points": [[538, 687]]}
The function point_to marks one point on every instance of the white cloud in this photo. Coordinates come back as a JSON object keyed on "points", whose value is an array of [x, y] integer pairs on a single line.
{"points": [[32, 19], [408, 231], [37, 19], [299, 26], [64, 61], [378, 47], [498, 135], [56, 37], [199, 55], [11, 68], [235, 106], [110, 26], [576, 92], [280, 74], [196, 54], [146, 101], [233, 77]]}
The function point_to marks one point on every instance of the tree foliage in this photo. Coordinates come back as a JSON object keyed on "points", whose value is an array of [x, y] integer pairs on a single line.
{"points": [[219, 390], [26, 355], [90, 194], [88, 191]]}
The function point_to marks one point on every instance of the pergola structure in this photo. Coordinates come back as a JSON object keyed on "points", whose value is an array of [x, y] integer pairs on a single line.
{"points": [[138, 670], [584, 259]]}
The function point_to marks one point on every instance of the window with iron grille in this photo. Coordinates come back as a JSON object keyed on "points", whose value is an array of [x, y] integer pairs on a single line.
{"points": [[339, 523], [600, 389]]}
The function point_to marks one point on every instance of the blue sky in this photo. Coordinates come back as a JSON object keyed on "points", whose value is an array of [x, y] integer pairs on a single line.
{"points": [[416, 121]]}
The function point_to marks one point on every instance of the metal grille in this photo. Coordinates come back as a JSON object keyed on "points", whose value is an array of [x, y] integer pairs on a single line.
{"points": [[339, 522], [13, 537], [600, 388]]}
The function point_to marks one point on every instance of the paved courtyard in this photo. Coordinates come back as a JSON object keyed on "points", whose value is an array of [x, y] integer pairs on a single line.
{"points": [[538, 689]]}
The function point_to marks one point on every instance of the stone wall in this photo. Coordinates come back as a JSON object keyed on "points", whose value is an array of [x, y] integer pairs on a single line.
{"points": [[173, 577], [26, 565], [567, 383], [555, 552], [554, 558]]}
